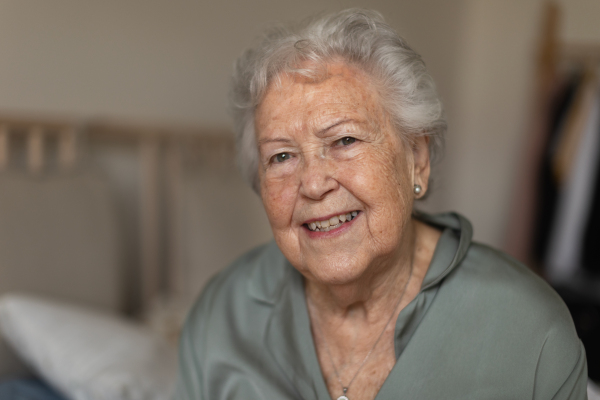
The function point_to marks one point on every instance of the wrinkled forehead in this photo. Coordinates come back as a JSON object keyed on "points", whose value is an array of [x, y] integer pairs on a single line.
{"points": [[343, 88]]}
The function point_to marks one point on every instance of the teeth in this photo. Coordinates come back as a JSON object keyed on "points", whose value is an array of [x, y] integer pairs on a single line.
{"points": [[332, 223], [330, 227]]}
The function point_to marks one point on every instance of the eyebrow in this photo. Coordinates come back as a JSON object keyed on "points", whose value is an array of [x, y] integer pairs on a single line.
{"points": [[341, 122], [319, 133], [273, 140]]}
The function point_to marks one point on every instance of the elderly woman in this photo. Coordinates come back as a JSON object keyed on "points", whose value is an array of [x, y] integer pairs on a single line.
{"points": [[359, 297]]}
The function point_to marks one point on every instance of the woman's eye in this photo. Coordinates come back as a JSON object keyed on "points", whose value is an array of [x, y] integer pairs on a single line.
{"points": [[347, 141], [281, 157]]}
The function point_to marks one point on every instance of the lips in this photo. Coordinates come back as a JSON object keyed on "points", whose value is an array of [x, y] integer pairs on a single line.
{"points": [[331, 223]]}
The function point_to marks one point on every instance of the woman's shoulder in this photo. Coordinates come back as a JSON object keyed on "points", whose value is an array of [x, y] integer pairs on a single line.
{"points": [[254, 277], [225, 324], [500, 292], [493, 315], [486, 276], [512, 313], [501, 277]]}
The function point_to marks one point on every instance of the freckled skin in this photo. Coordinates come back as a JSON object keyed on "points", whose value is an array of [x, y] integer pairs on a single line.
{"points": [[352, 279], [371, 175]]}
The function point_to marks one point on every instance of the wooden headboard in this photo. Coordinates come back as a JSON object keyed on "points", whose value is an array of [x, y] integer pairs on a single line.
{"points": [[150, 202]]}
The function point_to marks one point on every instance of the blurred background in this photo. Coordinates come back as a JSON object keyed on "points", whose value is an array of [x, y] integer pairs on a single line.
{"points": [[117, 183]]}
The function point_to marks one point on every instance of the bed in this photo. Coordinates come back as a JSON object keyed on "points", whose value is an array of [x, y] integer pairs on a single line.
{"points": [[108, 231]]}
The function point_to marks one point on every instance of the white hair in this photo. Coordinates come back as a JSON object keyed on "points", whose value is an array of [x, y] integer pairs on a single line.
{"points": [[357, 37]]}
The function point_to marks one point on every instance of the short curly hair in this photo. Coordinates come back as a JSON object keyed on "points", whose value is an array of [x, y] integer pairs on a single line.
{"points": [[358, 37]]}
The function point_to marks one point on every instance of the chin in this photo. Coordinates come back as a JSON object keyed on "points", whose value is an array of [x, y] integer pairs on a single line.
{"points": [[338, 273]]}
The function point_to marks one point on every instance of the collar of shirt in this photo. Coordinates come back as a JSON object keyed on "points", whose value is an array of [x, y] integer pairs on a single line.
{"points": [[287, 335]]}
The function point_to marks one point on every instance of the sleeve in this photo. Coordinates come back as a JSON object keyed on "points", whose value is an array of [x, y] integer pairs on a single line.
{"points": [[561, 372], [575, 386], [190, 378], [190, 373]]}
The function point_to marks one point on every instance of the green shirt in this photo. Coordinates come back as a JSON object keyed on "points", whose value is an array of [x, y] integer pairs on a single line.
{"points": [[482, 327]]}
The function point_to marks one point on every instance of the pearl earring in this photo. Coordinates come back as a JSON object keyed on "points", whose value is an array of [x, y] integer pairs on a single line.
{"points": [[417, 189]]}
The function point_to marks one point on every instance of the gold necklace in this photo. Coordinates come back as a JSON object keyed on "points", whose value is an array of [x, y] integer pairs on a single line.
{"points": [[345, 388]]}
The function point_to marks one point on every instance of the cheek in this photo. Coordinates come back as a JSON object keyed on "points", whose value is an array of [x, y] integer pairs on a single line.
{"points": [[383, 179], [278, 200], [384, 175], [400, 186]]}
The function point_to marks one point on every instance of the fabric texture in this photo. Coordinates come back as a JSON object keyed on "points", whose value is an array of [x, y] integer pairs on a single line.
{"points": [[482, 327], [86, 354]]}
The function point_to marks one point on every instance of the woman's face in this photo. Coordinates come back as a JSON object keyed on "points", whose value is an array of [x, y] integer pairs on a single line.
{"points": [[330, 157]]}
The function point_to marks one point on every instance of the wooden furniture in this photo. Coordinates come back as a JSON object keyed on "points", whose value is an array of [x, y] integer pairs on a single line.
{"points": [[157, 158]]}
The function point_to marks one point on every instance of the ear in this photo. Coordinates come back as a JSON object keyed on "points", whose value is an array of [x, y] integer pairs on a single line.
{"points": [[422, 167]]}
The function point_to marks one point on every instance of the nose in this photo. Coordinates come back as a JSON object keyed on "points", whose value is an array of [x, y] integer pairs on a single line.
{"points": [[317, 179]]}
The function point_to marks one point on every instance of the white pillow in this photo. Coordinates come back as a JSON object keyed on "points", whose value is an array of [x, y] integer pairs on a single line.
{"points": [[88, 355]]}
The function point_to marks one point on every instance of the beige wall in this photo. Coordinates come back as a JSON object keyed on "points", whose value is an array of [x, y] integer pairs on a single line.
{"points": [[165, 60], [495, 82], [580, 20], [170, 61]]}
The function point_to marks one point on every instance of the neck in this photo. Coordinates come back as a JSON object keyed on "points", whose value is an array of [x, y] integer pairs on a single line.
{"points": [[372, 295]]}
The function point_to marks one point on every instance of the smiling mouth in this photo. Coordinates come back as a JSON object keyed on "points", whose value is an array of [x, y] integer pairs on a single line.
{"points": [[331, 223]]}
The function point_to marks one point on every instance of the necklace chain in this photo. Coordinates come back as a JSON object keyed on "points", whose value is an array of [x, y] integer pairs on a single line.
{"points": [[345, 388]]}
